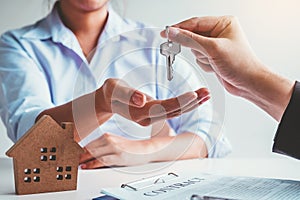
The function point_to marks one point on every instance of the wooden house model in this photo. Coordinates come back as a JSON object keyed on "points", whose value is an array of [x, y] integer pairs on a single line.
{"points": [[46, 158]]}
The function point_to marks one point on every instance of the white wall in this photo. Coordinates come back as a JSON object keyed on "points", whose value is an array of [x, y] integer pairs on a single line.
{"points": [[273, 29]]}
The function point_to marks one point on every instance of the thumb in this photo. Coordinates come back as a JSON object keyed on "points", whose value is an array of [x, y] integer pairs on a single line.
{"points": [[188, 39], [119, 90], [129, 96]]}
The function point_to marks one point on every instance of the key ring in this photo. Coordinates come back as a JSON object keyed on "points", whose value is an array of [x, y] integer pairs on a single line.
{"points": [[167, 33]]}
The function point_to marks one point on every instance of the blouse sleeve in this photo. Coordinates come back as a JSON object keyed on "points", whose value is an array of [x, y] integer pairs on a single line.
{"points": [[24, 91]]}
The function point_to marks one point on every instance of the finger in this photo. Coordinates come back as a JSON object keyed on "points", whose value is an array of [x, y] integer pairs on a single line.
{"points": [[188, 108], [96, 153], [97, 143], [158, 109], [202, 58], [93, 164], [232, 89], [118, 90], [191, 108], [200, 33], [85, 157], [202, 101], [190, 39], [163, 107], [198, 54], [205, 67], [112, 160], [92, 147], [193, 105], [209, 26], [176, 104], [109, 160], [200, 25], [97, 148], [203, 95], [123, 109], [154, 108], [202, 61]]}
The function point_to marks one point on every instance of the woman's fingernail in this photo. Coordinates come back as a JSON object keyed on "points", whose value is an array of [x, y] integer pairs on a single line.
{"points": [[138, 99], [205, 93], [204, 99], [83, 166], [201, 93]]}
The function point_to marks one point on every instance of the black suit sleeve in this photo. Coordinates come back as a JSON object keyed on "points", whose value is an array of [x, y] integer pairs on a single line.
{"points": [[287, 139]]}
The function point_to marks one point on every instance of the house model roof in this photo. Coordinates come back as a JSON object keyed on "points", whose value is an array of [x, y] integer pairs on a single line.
{"points": [[45, 128]]}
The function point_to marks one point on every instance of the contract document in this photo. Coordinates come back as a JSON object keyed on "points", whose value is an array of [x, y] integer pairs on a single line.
{"points": [[203, 186]]}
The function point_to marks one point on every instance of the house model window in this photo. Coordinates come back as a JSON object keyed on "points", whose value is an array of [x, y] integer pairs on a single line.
{"points": [[46, 158], [32, 175], [64, 174]]}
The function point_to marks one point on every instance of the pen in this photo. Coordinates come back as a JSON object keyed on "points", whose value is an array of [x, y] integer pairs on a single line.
{"points": [[197, 197]]}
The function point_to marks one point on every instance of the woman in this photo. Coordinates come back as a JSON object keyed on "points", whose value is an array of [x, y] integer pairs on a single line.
{"points": [[54, 67]]}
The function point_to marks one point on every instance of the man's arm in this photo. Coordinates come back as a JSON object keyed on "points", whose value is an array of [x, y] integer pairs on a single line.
{"points": [[220, 46]]}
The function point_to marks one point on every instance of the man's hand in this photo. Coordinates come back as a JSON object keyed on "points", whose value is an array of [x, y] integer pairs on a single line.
{"points": [[220, 46]]}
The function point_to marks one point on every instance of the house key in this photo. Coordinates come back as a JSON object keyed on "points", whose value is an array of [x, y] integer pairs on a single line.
{"points": [[170, 49]]}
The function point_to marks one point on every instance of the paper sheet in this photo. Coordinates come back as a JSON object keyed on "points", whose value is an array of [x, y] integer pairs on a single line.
{"points": [[184, 186]]}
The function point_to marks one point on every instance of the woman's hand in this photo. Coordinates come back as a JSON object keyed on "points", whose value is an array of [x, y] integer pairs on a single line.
{"points": [[115, 96], [113, 150]]}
